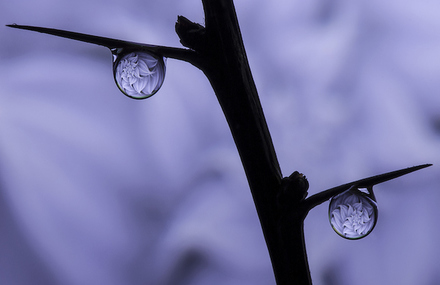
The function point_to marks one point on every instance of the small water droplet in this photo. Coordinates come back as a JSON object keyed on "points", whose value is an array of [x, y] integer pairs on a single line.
{"points": [[138, 74], [353, 213]]}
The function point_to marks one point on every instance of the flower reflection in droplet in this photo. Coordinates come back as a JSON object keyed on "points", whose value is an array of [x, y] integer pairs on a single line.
{"points": [[139, 75], [353, 214]]}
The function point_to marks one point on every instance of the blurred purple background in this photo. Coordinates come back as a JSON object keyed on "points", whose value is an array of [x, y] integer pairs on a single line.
{"points": [[97, 188]]}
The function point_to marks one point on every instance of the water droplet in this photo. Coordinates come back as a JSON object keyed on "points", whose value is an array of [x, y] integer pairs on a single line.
{"points": [[138, 74], [353, 213]]}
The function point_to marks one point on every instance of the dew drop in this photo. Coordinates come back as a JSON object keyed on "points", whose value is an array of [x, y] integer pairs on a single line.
{"points": [[138, 74], [353, 213]]}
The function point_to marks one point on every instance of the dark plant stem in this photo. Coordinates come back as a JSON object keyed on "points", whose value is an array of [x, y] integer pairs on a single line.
{"points": [[294, 268], [225, 64]]}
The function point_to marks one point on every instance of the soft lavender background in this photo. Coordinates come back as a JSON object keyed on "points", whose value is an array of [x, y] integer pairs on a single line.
{"points": [[97, 188]]}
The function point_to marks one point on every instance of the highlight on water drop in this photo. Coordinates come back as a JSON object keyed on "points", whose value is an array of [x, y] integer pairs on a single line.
{"points": [[138, 74], [353, 213]]}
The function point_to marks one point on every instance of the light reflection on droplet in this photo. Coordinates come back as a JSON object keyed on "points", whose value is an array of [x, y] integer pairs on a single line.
{"points": [[138, 74], [353, 214]]}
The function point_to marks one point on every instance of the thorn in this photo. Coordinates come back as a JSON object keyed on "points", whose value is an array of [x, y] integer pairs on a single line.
{"points": [[323, 196]]}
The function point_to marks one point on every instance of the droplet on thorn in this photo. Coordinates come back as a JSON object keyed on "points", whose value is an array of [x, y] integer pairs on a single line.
{"points": [[353, 213], [138, 74]]}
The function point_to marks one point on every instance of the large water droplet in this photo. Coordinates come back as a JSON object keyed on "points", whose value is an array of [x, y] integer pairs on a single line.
{"points": [[138, 74], [353, 213]]}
